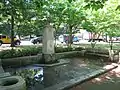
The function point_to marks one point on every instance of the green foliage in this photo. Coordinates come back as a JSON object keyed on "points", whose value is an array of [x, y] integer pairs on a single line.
{"points": [[88, 26], [28, 75], [95, 4], [61, 49], [30, 16], [32, 50], [5, 28], [67, 49], [105, 20], [19, 52], [74, 14]]}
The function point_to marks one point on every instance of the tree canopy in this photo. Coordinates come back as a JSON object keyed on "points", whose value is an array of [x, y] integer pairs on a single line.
{"points": [[30, 16]]}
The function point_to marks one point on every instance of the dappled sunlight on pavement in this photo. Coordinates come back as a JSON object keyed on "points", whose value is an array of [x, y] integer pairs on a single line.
{"points": [[110, 66], [103, 82], [109, 75], [115, 72]]}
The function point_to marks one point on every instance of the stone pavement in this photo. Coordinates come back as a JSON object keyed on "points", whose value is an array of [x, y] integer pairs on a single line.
{"points": [[107, 81], [62, 76], [68, 84], [1, 69]]}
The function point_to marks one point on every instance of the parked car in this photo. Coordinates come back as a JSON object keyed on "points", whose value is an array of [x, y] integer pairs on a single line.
{"points": [[36, 40], [74, 38], [90, 40], [4, 39]]}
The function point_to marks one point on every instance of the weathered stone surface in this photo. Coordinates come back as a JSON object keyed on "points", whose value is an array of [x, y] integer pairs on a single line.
{"points": [[2, 75], [60, 62], [38, 59], [78, 80], [19, 61], [98, 51], [1, 69], [12, 83], [48, 58], [48, 40], [96, 55], [48, 45]]}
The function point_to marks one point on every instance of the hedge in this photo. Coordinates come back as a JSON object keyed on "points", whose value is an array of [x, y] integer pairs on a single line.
{"points": [[31, 50]]}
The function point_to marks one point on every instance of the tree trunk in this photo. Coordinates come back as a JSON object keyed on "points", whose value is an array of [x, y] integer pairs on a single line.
{"points": [[99, 35], [56, 28], [111, 43], [12, 31], [111, 55], [106, 38], [111, 46], [70, 38], [111, 52], [93, 43]]}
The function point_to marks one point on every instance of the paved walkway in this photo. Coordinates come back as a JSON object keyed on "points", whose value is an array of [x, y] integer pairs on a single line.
{"points": [[107, 81]]}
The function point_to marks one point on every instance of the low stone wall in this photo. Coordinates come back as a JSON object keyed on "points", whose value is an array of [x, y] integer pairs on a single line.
{"points": [[68, 54], [103, 53], [97, 51], [20, 61], [37, 59]]}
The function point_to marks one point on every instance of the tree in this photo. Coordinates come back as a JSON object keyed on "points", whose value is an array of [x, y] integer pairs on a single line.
{"points": [[99, 20], [105, 20], [73, 16], [12, 10], [95, 23], [112, 20]]}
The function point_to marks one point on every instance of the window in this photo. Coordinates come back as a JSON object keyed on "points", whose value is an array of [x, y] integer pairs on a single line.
{"points": [[3, 36]]}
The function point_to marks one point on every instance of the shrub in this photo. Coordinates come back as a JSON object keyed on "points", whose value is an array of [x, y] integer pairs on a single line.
{"points": [[61, 49], [31, 50], [18, 52]]}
